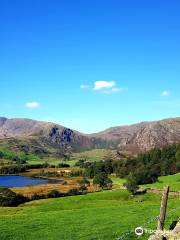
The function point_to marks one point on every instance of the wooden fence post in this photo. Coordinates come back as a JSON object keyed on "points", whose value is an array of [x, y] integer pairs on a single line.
{"points": [[162, 214]]}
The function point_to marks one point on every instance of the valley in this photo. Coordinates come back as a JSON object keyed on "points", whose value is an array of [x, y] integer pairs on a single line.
{"points": [[102, 189]]}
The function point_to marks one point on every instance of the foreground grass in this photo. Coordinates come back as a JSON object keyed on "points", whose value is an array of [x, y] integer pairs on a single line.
{"points": [[103, 216]]}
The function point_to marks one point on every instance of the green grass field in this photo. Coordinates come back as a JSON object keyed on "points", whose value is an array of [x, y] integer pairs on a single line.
{"points": [[117, 182], [172, 180], [102, 216]]}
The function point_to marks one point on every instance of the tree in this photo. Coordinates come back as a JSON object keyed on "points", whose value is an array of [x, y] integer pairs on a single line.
{"points": [[73, 192], [54, 194], [108, 166], [8, 198], [102, 180], [131, 184], [83, 189], [84, 181]]}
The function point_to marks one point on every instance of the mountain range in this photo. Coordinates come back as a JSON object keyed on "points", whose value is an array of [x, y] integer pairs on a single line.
{"points": [[38, 136]]}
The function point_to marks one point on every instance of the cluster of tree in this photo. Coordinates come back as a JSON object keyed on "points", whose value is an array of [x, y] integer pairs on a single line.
{"points": [[94, 168], [12, 169], [63, 165], [147, 167], [76, 173], [143, 169], [19, 168], [40, 165], [99, 171], [47, 165], [8, 198]]}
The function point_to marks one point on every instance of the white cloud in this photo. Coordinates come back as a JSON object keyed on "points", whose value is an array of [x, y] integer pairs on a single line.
{"points": [[99, 85], [165, 93], [84, 86], [32, 104]]}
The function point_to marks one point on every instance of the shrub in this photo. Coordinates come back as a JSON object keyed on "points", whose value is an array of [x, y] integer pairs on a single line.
{"points": [[54, 194], [63, 165], [73, 192], [131, 184], [102, 180], [13, 169], [84, 181], [83, 189], [37, 196], [8, 198]]}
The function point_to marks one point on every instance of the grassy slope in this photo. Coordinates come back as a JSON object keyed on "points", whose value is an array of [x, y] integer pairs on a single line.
{"points": [[92, 155], [102, 216], [172, 180]]}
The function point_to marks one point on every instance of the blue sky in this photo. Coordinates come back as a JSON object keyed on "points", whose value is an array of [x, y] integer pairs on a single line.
{"points": [[92, 64]]}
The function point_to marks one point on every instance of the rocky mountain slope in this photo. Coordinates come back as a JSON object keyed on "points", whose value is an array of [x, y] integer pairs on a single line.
{"points": [[42, 134], [133, 139], [144, 136]]}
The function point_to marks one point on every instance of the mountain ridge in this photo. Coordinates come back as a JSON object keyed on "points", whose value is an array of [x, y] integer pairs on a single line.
{"points": [[133, 138]]}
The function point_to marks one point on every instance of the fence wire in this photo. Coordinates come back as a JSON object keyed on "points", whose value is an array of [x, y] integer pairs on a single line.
{"points": [[147, 222]]}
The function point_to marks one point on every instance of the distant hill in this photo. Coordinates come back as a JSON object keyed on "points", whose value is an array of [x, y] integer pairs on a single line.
{"points": [[38, 135], [22, 134], [143, 136]]}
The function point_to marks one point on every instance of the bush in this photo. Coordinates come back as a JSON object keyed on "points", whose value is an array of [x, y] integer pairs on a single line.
{"points": [[37, 196], [83, 189], [84, 181], [13, 169], [54, 194], [102, 180], [73, 192], [8, 198], [131, 184], [63, 165]]}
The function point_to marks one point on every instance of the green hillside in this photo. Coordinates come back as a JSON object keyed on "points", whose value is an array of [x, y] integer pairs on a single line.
{"points": [[103, 216], [172, 180]]}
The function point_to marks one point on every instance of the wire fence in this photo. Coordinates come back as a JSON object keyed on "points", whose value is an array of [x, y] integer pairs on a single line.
{"points": [[144, 225]]}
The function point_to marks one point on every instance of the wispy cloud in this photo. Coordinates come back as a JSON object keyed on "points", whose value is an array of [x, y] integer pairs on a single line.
{"points": [[99, 85], [32, 105], [103, 86], [165, 93], [84, 86]]}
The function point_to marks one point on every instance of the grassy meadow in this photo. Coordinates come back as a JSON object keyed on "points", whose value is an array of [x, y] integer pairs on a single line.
{"points": [[172, 180], [102, 216]]}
